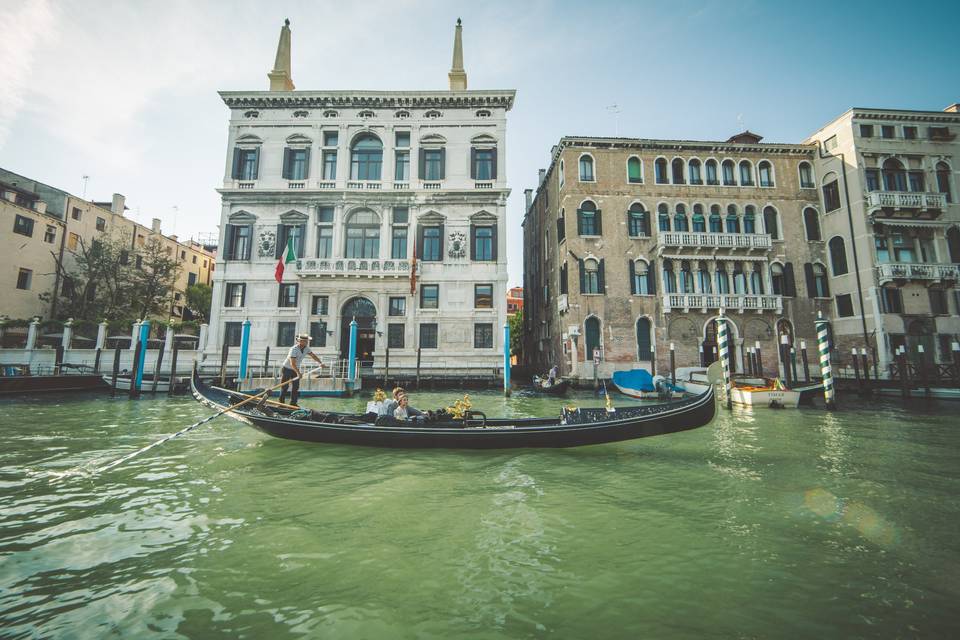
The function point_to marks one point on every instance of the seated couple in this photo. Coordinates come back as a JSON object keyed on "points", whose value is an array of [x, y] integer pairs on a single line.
{"points": [[399, 408]]}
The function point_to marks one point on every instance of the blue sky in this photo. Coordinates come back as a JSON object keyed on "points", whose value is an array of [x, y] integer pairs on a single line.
{"points": [[126, 92]]}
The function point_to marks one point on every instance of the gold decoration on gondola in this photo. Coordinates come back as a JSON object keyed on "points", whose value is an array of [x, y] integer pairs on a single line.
{"points": [[460, 408], [609, 404], [379, 395]]}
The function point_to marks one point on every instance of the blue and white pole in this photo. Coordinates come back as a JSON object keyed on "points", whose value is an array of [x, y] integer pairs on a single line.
{"points": [[823, 346], [725, 358], [244, 349], [506, 358], [144, 336], [352, 358]]}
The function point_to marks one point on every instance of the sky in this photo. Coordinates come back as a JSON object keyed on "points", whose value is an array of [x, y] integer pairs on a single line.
{"points": [[126, 92]]}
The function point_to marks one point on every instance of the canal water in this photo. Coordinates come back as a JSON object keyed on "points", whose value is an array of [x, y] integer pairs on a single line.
{"points": [[763, 524]]}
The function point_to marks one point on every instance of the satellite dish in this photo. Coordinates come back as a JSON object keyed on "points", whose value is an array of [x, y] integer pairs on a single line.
{"points": [[715, 373]]}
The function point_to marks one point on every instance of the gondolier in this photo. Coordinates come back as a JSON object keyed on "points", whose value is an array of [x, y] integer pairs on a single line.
{"points": [[291, 368]]}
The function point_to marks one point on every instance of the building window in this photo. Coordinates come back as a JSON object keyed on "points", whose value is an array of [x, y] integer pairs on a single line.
{"points": [[640, 278], [891, 300], [693, 168], [887, 131], [873, 179], [660, 171], [76, 214], [806, 176], [676, 171], [235, 294], [903, 249], [716, 223], [586, 169], [366, 158], [910, 133], [330, 138], [482, 243], [286, 333], [831, 196], [432, 163], [699, 222], [233, 334], [329, 164], [916, 180], [588, 220], [746, 174], [286, 233], [430, 296], [560, 175], [318, 334], [663, 217], [319, 306], [246, 163], [50, 235], [680, 222], [591, 276], [287, 296], [750, 219], [191, 279], [765, 169], [101, 224], [817, 286], [24, 226], [938, 301], [712, 178], [776, 279], [428, 336], [894, 175], [638, 224], [561, 227], [398, 306], [634, 171], [431, 246], [402, 172], [811, 223], [362, 235], [830, 143], [729, 179], [483, 336], [395, 336], [838, 256], [943, 180], [483, 164], [953, 245], [72, 240], [866, 131], [844, 305], [733, 221], [483, 296], [24, 279], [296, 163], [237, 242]]}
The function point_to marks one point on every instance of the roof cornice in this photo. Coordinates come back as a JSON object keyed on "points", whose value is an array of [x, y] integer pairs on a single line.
{"points": [[901, 115], [681, 145], [387, 99]]}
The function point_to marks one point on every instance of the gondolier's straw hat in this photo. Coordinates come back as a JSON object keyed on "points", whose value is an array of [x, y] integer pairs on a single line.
{"points": [[303, 336]]}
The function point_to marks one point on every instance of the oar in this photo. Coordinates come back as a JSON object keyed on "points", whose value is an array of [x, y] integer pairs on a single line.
{"points": [[120, 461]]}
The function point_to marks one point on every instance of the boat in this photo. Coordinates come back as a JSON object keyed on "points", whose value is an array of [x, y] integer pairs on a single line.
{"points": [[20, 384], [473, 430], [123, 384], [558, 388], [763, 392], [693, 380], [638, 383], [939, 393]]}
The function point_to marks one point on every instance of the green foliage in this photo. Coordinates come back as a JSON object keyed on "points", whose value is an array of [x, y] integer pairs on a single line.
{"points": [[199, 299], [516, 335], [154, 281]]}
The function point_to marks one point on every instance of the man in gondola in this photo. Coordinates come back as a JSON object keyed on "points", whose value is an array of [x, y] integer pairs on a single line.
{"points": [[291, 368], [552, 376]]}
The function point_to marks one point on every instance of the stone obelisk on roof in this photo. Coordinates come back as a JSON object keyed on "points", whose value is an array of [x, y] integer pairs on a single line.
{"points": [[458, 77], [280, 77]]}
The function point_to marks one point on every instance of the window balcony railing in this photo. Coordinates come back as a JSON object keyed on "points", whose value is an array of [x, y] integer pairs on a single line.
{"points": [[355, 267], [245, 185], [401, 185], [906, 200], [914, 271], [483, 185], [727, 301], [364, 184], [715, 240], [296, 185], [326, 185], [431, 185]]}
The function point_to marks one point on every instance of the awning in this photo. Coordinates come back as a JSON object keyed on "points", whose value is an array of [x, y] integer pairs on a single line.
{"points": [[916, 224]]}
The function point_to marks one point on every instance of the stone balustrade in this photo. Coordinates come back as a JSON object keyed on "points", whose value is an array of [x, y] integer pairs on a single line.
{"points": [[915, 271], [354, 267], [906, 200], [730, 302], [715, 240]]}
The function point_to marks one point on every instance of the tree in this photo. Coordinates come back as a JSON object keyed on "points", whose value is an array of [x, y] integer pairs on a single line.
{"points": [[516, 335], [153, 279], [96, 284], [199, 299]]}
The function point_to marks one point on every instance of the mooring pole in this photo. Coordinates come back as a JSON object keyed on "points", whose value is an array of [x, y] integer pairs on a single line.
{"points": [[506, 358], [244, 350], [725, 358], [223, 364], [418, 368], [856, 371], [806, 365], [700, 349], [116, 372], [955, 348], [266, 362], [386, 364], [96, 361], [785, 358], [902, 365], [823, 346], [352, 355], [173, 368], [673, 365], [793, 365], [759, 359], [865, 365], [923, 370], [58, 359], [134, 387], [748, 359], [156, 372]]}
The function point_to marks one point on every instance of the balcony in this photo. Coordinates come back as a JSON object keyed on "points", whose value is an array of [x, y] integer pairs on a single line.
{"points": [[563, 303], [354, 268], [910, 271], [906, 200], [711, 240], [364, 184], [728, 302]]}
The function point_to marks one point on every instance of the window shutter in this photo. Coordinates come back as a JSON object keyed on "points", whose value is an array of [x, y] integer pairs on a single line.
{"points": [[473, 242], [826, 286], [473, 163], [235, 174], [256, 163], [651, 278], [249, 247], [583, 277], [441, 242], [632, 270], [418, 249], [303, 240], [243, 295], [287, 152], [422, 170], [443, 163], [599, 219], [563, 279], [493, 234], [227, 241], [808, 274], [306, 164], [281, 240], [579, 223], [493, 173], [600, 279], [789, 283]]}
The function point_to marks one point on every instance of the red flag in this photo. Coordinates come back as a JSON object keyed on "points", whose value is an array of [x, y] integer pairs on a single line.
{"points": [[288, 256]]}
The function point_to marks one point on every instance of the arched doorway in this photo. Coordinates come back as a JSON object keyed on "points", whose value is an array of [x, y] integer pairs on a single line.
{"points": [[710, 349], [366, 316], [644, 352], [711, 346], [784, 328], [920, 333], [591, 330]]}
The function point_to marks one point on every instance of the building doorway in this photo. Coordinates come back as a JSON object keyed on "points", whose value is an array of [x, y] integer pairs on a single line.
{"points": [[591, 329], [710, 349], [365, 314]]}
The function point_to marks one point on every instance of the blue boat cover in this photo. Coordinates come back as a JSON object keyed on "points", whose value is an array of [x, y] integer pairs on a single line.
{"points": [[637, 379]]}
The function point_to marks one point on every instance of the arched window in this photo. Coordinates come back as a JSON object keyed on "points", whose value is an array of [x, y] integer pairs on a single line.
{"points": [[677, 171], [560, 175], [699, 222], [686, 278], [586, 169], [669, 278], [703, 275], [953, 244], [729, 178], [366, 157], [806, 176], [693, 168], [811, 223], [943, 180], [663, 217], [592, 334], [723, 282], [817, 286], [638, 224], [660, 171], [756, 283], [750, 219], [680, 219], [644, 351], [362, 235], [588, 220], [746, 174], [776, 279], [641, 281], [716, 223], [634, 171], [894, 175], [765, 170], [838, 256], [712, 178], [739, 279], [733, 220], [591, 276], [770, 223]]}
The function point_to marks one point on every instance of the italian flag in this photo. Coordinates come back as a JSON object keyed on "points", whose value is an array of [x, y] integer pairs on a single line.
{"points": [[288, 256]]}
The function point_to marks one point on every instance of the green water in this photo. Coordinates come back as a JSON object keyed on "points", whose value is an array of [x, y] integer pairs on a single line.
{"points": [[768, 524]]}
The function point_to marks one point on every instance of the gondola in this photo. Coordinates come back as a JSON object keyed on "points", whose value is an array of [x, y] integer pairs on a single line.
{"points": [[558, 388], [576, 427]]}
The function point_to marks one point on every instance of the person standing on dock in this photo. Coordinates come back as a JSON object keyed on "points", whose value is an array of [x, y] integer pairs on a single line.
{"points": [[291, 368]]}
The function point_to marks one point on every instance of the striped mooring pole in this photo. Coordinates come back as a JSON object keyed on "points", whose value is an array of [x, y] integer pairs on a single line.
{"points": [[823, 346], [724, 358]]}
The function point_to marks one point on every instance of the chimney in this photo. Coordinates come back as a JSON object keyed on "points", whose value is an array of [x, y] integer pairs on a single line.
{"points": [[174, 238], [118, 204], [954, 108], [40, 206], [528, 194], [542, 174], [156, 225]]}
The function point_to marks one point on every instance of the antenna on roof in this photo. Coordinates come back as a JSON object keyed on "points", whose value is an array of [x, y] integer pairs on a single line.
{"points": [[615, 110], [84, 178]]}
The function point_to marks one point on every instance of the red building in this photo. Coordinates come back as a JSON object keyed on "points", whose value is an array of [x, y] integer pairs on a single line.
{"points": [[514, 301]]}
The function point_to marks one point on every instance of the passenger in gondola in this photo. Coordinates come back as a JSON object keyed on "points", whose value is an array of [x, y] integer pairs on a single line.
{"points": [[291, 368], [552, 376], [387, 407], [404, 411]]}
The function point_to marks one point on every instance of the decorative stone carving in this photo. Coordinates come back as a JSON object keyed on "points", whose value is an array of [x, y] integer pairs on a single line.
{"points": [[301, 114], [458, 244], [251, 114], [267, 243]]}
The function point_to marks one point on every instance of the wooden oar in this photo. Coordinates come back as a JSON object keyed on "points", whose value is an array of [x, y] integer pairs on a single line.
{"points": [[120, 461]]}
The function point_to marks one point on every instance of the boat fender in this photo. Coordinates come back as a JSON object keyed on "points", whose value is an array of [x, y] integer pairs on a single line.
{"points": [[301, 414]]}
